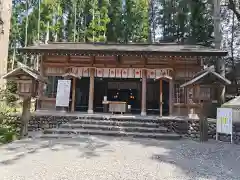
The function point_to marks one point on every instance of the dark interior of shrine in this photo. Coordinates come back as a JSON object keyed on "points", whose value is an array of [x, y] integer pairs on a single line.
{"points": [[127, 90]]}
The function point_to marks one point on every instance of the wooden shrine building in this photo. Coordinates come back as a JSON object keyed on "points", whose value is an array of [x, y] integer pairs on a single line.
{"points": [[145, 78]]}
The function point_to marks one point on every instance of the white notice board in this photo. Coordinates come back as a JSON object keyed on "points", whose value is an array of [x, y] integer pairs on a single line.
{"points": [[224, 121], [63, 93]]}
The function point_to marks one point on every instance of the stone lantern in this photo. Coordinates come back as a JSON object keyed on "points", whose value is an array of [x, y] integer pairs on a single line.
{"points": [[27, 80]]}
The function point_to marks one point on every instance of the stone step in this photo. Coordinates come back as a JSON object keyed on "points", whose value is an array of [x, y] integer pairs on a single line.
{"points": [[120, 118], [159, 129], [56, 133], [117, 123]]}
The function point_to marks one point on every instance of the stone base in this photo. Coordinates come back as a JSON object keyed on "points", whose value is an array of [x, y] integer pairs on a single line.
{"points": [[143, 113], [90, 111]]}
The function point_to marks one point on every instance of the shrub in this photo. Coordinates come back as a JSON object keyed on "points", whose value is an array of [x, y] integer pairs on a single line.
{"points": [[8, 124]]}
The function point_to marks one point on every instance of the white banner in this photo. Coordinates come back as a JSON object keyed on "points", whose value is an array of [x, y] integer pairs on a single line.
{"points": [[63, 93]]}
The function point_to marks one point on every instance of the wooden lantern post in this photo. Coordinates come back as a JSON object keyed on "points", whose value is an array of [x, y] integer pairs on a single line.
{"points": [[27, 85]]}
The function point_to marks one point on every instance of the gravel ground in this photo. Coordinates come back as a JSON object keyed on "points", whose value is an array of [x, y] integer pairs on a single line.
{"points": [[102, 158]]}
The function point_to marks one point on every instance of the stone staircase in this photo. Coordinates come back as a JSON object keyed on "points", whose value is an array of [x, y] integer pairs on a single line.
{"points": [[133, 127]]}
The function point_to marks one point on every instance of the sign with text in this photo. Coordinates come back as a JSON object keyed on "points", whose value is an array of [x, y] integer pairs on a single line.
{"points": [[224, 121], [63, 93]]}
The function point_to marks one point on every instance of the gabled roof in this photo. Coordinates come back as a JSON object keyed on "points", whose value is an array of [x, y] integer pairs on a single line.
{"points": [[206, 76], [24, 70], [89, 48]]}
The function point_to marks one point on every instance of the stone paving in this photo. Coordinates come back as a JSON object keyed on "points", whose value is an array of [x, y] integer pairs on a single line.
{"points": [[102, 158]]}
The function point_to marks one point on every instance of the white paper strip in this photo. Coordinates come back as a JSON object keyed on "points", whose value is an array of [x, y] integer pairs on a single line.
{"points": [[130, 73], [74, 70], [106, 72], [85, 72], [79, 72], [99, 72], [112, 72], [124, 73], [151, 73], [118, 73], [158, 73], [137, 73]]}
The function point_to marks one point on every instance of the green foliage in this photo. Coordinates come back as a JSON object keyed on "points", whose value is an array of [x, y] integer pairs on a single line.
{"points": [[8, 125], [97, 28], [111, 21], [186, 21], [116, 25], [10, 92]]}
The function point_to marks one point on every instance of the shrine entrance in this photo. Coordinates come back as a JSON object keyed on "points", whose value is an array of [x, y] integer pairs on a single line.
{"points": [[118, 89], [153, 97], [129, 91]]}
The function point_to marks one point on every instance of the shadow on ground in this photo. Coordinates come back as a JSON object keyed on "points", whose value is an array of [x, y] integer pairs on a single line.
{"points": [[87, 146], [211, 161]]}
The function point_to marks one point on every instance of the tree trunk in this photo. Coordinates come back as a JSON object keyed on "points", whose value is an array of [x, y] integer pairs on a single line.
{"points": [[233, 6], [150, 21], [5, 17], [25, 116], [220, 63]]}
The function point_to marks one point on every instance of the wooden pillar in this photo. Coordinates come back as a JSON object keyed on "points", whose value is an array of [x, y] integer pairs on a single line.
{"points": [[144, 92], [73, 94], [198, 99], [161, 98], [170, 103], [91, 91], [193, 99], [26, 116], [65, 109], [41, 85]]}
